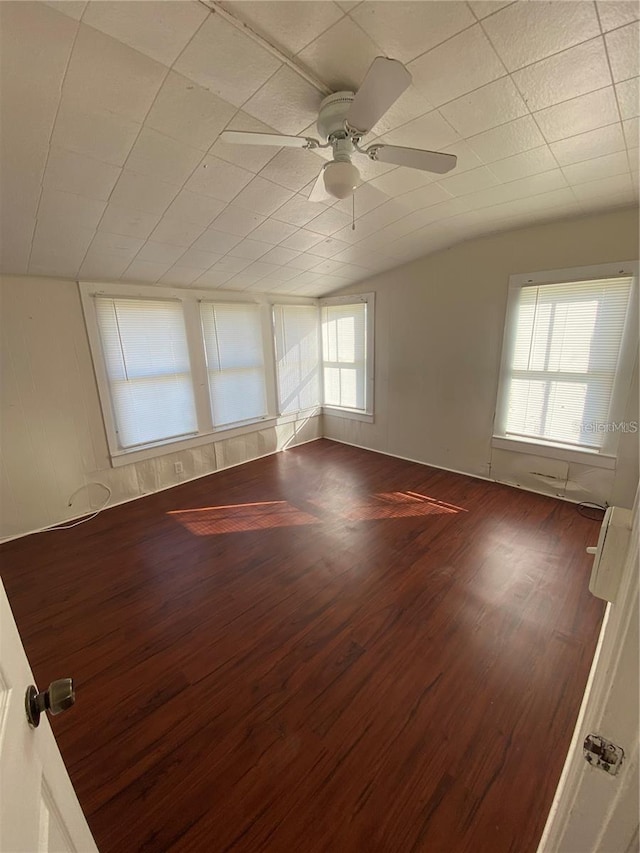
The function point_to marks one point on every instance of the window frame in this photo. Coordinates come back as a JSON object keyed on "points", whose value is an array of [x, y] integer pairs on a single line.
{"points": [[190, 300], [605, 456], [366, 414]]}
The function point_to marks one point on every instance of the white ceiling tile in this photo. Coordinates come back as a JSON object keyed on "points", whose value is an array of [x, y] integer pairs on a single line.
{"points": [[487, 107], [406, 30], [305, 262], [212, 278], [280, 255], [505, 141], [103, 267], [116, 245], [75, 173], [141, 270], [101, 73], [161, 157], [302, 240], [273, 232], [72, 8], [430, 131], [237, 220], [216, 241], [422, 197], [199, 259], [522, 188], [482, 8], [193, 207], [292, 168], [521, 165], [467, 158], [341, 56], [158, 28], [70, 209], [57, 236], [622, 47], [262, 196], [161, 253], [286, 101], [188, 113], [176, 232], [230, 264], [578, 115], [297, 211], [132, 223], [142, 192], [557, 25], [216, 178], [617, 13], [251, 157], [95, 133], [327, 248], [279, 275], [469, 182], [15, 244], [291, 26], [328, 222], [180, 276], [401, 180], [573, 72], [598, 167], [629, 97], [630, 127], [226, 62], [460, 65], [251, 249], [61, 261], [613, 186], [595, 143]]}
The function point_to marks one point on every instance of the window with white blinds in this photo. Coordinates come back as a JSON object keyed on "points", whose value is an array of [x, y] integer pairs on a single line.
{"points": [[147, 367], [344, 355], [297, 337], [235, 361], [564, 348]]}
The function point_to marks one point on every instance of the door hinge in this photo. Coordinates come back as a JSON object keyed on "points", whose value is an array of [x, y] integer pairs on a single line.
{"points": [[603, 754]]}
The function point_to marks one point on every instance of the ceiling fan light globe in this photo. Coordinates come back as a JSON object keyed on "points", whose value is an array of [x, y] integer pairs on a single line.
{"points": [[341, 179]]}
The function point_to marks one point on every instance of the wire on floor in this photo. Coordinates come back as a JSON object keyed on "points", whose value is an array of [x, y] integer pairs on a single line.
{"points": [[82, 520]]}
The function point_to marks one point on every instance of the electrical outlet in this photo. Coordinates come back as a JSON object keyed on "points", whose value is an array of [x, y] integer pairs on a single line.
{"points": [[178, 467]]}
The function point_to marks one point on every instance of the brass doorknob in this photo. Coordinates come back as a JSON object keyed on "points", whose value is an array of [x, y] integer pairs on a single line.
{"points": [[59, 696]]}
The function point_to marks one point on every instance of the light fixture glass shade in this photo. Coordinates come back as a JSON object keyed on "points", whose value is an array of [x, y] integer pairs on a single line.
{"points": [[341, 178]]}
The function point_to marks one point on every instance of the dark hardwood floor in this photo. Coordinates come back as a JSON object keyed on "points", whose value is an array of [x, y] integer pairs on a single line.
{"points": [[323, 650]]}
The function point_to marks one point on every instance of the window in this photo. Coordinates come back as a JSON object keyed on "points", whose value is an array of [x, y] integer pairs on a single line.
{"points": [[297, 338], [347, 353], [235, 361], [564, 351], [147, 365]]}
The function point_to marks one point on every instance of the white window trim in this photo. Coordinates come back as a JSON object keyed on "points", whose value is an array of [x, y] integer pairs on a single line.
{"points": [[604, 457], [365, 415], [190, 300]]}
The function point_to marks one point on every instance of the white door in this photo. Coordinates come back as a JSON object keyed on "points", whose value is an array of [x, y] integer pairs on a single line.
{"points": [[39, 810]]}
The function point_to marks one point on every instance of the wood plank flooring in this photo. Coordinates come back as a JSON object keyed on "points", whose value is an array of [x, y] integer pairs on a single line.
{"points": [[323, 650]]}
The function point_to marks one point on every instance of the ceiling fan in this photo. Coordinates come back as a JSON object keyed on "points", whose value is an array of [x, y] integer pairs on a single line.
{"points": [[344, 118]]}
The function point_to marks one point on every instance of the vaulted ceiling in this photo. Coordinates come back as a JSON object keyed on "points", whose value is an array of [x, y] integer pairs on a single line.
{"points": [[112, 168]]}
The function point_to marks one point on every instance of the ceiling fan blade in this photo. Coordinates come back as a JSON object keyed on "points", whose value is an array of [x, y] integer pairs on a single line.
{"points": [[245, 137], [383, 84], [414, 158], [318, 191]]}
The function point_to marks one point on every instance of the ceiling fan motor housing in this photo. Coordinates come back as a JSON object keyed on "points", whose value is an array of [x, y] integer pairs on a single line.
{"points": [[333, 114]]}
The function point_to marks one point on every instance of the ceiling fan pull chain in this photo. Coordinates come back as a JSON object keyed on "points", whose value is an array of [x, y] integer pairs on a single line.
{"points": [[353, 212]]}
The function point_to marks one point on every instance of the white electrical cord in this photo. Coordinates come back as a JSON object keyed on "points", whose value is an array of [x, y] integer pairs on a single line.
{"points": [[82, 520]]}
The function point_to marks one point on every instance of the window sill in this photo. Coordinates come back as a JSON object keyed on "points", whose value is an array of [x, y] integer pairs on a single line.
{"points": [[120, 458], [349, 414], [565, 453]]}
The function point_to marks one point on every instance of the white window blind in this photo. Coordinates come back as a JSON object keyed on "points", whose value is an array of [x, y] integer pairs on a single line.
{"points": [[344, 348], [298, 356], [235, 361], [565, 346], [147, 365]]}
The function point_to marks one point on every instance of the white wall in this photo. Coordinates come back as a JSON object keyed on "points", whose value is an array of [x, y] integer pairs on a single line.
{"points": [[51, 429], [439, 327]]}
